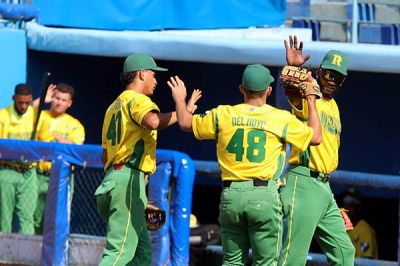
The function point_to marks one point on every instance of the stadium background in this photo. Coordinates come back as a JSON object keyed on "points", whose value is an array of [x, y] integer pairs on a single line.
{"points": [[368, 103]]}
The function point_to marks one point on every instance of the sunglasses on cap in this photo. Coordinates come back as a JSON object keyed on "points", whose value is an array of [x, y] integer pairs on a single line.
{"points": [[330, 75]]}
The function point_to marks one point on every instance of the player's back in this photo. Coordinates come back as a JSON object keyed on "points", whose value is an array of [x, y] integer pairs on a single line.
{"points": [[250, 141]]}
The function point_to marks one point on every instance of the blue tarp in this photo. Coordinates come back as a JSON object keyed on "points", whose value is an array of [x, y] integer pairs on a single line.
{"points": [[161, 14]]}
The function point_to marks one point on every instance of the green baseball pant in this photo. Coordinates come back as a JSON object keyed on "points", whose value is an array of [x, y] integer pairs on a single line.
{"points": [[250, 217], [309, 208], [43, 187], [121, 201], [18, 194]]}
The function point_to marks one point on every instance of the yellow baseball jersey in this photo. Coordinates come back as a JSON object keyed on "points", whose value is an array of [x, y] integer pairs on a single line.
{"points": [[15, 126], [64, 128], [364, 240], [324, 157], [251, 141], [124, 137]]}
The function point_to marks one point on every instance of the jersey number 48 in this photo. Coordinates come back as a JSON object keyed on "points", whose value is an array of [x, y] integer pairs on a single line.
{"points": [[255, 151]]}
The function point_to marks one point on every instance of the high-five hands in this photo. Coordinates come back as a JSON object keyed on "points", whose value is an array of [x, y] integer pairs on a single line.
{"points": [[191, 104], [179, 93], [178, 88], [294, 54]]}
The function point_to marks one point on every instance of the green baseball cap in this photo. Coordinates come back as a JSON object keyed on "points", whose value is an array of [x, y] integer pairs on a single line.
{"points": [[256, 78], [136, 62], [336, 60]]}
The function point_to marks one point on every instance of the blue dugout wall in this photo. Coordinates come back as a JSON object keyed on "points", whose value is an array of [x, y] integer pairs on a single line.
{"points": [[13, 57], [170, 244]]}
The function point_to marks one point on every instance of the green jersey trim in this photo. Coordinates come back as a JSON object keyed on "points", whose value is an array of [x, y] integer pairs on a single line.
{"points": [[284, 134], [279, 170], [137, 155], [302, 119], [305, 157]]}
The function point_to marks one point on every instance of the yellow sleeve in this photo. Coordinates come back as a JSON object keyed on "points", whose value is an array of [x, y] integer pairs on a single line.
{"points": [[204, 125], [298, 133], [301, 114], [78, 134], [140, 106]]}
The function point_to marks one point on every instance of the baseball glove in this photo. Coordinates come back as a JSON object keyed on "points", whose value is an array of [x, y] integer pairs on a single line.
{"points": [[347, 222], [155, 217], [298, 82]]}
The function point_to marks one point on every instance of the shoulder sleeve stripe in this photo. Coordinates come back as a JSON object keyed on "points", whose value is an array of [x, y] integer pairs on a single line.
{"points": [[216, 127], [284, 133]]}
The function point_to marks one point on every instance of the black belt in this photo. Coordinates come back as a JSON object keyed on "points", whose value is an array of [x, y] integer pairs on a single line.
{"points": [[256, 183], [17, 167], [320, 176]]}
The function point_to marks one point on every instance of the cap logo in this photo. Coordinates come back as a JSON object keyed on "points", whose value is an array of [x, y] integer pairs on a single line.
{"points": [[337, 60]]}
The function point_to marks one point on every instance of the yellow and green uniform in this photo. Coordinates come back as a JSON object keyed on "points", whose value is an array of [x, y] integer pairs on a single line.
{"points": [[251, 144], [309, 207], [63, 128], [18, 187], [364, 240], [121, 198]]}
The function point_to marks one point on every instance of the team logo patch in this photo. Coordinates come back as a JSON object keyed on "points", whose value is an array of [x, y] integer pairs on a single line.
{"points": [[337, 60]]}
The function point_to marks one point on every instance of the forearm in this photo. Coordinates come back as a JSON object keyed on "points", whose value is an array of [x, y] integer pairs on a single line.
{"points": [[314, 121], [184, 116], [35, 103], [166, 119]]}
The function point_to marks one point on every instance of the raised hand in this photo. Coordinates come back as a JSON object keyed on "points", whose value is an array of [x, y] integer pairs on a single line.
{"points": [[51, 89], [178, 88], [294, 54], [191, 104]]}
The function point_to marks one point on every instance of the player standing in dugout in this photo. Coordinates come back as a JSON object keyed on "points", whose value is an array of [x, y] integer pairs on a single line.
{"points": [[129, 139], [55, 125], [18, 185], [251, 141], [309, 207]]}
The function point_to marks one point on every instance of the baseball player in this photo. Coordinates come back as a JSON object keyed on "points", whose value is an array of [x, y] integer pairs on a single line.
{"points": [[55, 126], [18, 187], [129, 139], [309, 207], [250, 139], [363, 235]]}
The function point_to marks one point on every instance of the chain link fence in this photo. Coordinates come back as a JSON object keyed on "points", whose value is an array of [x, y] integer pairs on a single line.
{"points": [[85, 219]]}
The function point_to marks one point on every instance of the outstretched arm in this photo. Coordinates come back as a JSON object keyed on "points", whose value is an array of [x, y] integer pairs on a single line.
{"points": [[314, 121], [154, 120], [294, 57], [179, 95]]}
